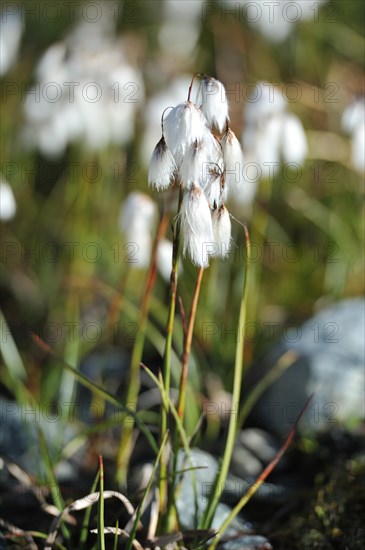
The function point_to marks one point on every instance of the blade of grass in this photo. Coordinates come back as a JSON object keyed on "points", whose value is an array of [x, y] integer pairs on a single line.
{"points": [[116, 536], [86, 520], [233, 422], [101, 536], [52, 480], [147, 490], [167, 399], [67, 388], [260, 480], [14, 364], [10, 351]]}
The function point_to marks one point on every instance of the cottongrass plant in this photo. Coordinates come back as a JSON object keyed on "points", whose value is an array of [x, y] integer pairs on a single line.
{"points": [[203, 225], [200, 155]]}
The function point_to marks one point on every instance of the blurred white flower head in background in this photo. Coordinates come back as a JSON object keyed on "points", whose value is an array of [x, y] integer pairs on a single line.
{"points": [[137, 221], [273, 19], [86, 90], [7, 200], [11, 30], [353, 123], [271, 135], [164, 259], [181, 25]]}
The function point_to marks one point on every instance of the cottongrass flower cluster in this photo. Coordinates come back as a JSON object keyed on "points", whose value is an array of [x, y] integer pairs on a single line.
{"points": [[199, 152]]}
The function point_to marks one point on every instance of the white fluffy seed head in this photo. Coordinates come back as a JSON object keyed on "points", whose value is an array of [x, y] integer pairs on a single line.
{"points": [[214, 163], [221, 231], [214, 103], [215, 190], [213, 150], [194, 165], [196, 226], [184, 125], [162, 167], [233, 159]]}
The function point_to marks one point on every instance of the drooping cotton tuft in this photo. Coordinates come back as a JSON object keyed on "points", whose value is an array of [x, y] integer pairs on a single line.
{"points": [[233, 158], [183, 125], [196, 226], [194, 165], [221, 231], [214, 103], [215, 190], [213, 149], [162, 167]]}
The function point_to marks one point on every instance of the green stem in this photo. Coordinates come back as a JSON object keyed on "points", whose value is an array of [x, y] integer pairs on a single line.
{"points": [[145, 495], [166, 366], [187, 345], [233, 423], [182, 391], [125, 444]]}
